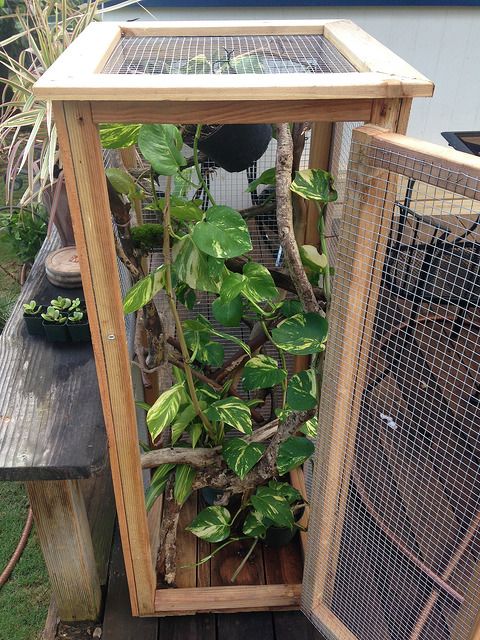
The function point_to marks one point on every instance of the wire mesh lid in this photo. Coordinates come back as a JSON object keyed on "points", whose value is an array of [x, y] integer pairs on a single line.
{"points": [[200, 55]]}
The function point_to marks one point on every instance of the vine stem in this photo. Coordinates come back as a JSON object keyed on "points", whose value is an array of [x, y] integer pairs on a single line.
{"points": [[244, 561], [167, 260], [327, 289], [200, 177]]}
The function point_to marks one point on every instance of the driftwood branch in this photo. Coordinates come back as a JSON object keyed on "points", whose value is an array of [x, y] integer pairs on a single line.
{"points": [[285, 219], [167, 552]]}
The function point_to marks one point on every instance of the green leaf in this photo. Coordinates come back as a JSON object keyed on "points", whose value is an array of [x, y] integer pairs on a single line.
{"points": [[273, 507], [144, 290], [291, 308], [195, 430], [184, 477], [254, 525], [232, 411], [241, 456], [247, 63], [198, 339], [232, 286], [259, 285], [183, 210], [310, 428], [198, 270], [182, 421], [223, 233], [293, 452], [157, 484], [268, 177], [228, 313], [121, 181], [164, 410], [119, 136], [302, 390], [197, 65], [161, 146], [284, 489], [262, 372], [143, 405], [314, 184], [212, 524], [302, 334], [312, 259]]}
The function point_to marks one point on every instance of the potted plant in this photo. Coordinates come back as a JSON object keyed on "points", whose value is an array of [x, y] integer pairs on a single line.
{"points": [[78, 327], [55, 325], [33, 318], [232, 425], [61, 303]]}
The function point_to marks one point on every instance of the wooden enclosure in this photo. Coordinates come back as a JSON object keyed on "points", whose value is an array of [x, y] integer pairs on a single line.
{"points": [[372, 85], [393, 537]]}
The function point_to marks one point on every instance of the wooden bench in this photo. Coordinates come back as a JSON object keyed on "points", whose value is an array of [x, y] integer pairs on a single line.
{"points": [[52, 437]]}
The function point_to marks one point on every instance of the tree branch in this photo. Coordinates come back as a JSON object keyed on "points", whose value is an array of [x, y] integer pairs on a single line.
{"points": [[285, 219]]}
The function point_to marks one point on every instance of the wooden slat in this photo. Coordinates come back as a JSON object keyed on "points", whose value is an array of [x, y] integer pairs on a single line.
{"points": [[293, 625], [239, 626], [345, 365], [224, 599], [226, 561], [367, 54], [64, 534], [203, 570], [284, 565], [301, 86], [414, 158], [223, 27], [199, 627], [186, 545], [220, 111], [118, 623], [89, 206]]}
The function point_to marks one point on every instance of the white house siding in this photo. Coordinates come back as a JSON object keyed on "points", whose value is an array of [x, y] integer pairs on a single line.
{"points": [[441, 42]]}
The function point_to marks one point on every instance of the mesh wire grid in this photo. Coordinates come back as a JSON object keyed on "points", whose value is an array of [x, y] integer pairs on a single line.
{"points": [[195, 55], [407, 567]]}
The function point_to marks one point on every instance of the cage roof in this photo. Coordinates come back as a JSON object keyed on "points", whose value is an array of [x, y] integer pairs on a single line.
{"points": [[229, 60]]}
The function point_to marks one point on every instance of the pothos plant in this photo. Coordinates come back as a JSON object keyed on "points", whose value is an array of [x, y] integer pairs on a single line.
{"points": [[209, 429]]}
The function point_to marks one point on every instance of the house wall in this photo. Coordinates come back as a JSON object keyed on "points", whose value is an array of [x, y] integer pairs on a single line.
{"points": [[441, 42]]}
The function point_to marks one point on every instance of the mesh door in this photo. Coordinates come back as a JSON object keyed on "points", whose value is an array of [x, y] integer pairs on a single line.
{"points": [[394, 539]]}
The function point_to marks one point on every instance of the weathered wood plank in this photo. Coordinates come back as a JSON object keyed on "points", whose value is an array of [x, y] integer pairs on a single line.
{"points": [[239, 626], [199, 627], [284, 565], [293, 625], [118, 622], [51, 422], [64, 534]]}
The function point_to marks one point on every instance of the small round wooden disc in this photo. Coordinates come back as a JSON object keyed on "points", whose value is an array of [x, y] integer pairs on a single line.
{"points": [[62, 267]]}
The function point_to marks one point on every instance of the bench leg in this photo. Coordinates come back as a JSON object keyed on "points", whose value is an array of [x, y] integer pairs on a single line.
{"points": [[62, 526]]}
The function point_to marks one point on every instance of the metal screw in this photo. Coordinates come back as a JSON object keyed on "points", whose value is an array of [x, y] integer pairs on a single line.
{"points": [[111, 336]]}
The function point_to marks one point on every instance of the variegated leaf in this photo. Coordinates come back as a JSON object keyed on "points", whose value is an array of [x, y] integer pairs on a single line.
{"points": [[232, 411], [184, 477], [268, 177], [262, 372], [259, 284], [314, 184], [164, 410], [157, 484], [198, 270], [302, 334], [293, 452], [302, 390], [183, 419], [254, 525], [144, 290], [228, 313], [223, 233], [119, 136], [212, 524], [161, 145], [273, 508], [242, 456], [312, 259], [232, 286], [310, 427]]}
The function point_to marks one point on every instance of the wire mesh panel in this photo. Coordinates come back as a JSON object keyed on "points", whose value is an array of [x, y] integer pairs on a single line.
{"points": [[394, 538], [226, 54]]}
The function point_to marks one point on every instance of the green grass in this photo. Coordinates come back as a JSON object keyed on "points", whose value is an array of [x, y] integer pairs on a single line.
{"points": [[25, 597]]}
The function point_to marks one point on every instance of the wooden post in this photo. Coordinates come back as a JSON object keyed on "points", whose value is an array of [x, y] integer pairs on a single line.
{"points": [[64, 534], [367, 217], [91, 217]]}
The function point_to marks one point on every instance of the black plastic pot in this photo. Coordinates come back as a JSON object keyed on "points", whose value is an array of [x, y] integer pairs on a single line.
{"points": [[79, 331], [34, 323], [234, 147], [281, 536], [55, 332], [210, 495]]}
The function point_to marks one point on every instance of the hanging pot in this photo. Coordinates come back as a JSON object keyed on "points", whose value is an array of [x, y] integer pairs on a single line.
{"points": [[233, 147]]}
